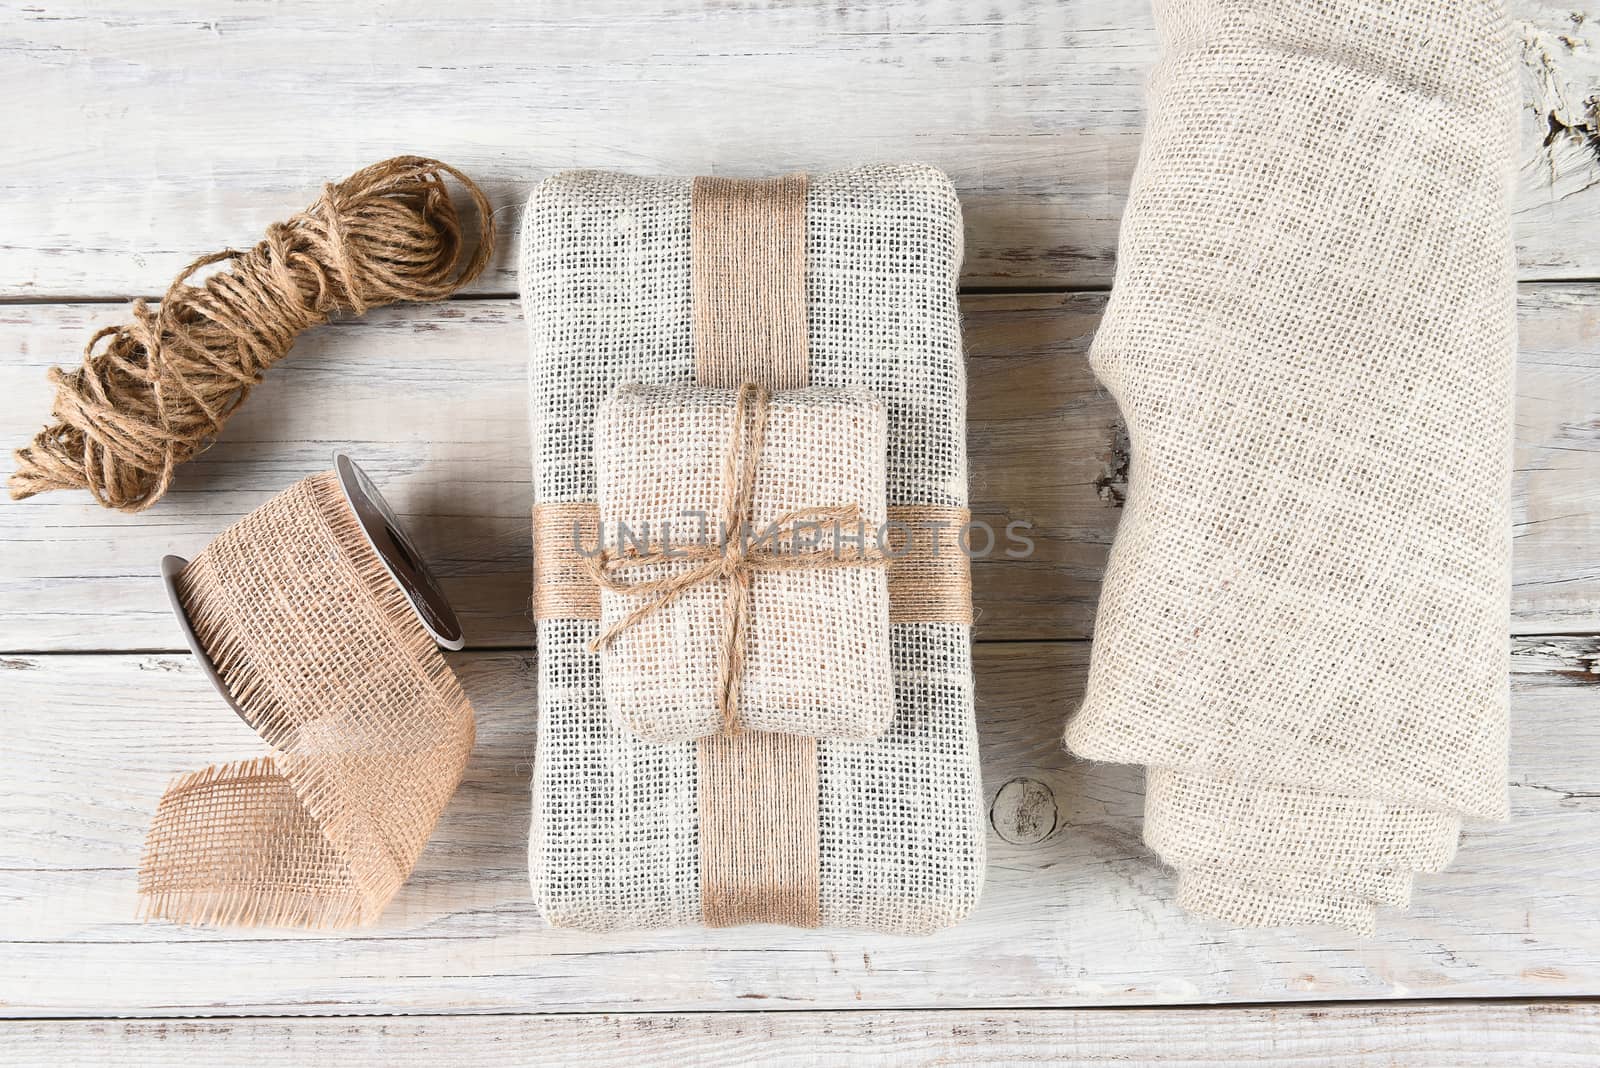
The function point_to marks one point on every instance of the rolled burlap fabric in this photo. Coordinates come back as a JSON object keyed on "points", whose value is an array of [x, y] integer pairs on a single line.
{"points": [[1303, 629]]}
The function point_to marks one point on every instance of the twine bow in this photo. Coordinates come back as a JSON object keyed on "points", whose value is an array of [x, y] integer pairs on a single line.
{"points": [[735, 559]]}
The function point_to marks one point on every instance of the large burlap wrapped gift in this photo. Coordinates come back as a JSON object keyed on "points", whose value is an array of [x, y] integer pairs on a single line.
{"points": [[1303, 630], [800, 643], [845, 281]]}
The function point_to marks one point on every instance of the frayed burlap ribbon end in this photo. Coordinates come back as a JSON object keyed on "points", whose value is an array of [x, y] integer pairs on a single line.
{"points": [[233, 845]]}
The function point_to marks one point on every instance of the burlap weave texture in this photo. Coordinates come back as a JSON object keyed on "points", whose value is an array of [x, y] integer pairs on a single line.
{"points": [[368, 728], [816, 658], [1303, 628]]}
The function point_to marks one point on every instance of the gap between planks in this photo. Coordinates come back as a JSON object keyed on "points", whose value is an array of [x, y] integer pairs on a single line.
{"points": [[973, 289], [1549, 1034]]}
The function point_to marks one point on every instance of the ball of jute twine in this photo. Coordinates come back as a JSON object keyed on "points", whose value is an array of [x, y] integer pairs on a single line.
{"points": [[155, 391]]}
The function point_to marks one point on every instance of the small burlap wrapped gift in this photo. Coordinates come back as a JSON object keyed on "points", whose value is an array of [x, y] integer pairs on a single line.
{"points": [[799, 643], [1303, 629], [846, 281]]}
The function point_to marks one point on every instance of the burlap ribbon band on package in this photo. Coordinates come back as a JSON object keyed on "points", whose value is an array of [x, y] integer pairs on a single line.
{"points": [[775, 731], [1303, 627], [320, 625]]}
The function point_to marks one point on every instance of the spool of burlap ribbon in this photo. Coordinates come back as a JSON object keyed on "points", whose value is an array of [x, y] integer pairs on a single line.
{"points": [[155, 391], [309, 615]]}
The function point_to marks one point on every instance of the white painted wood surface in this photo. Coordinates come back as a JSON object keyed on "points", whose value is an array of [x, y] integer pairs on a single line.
{"points": [[1561, 1034], [1075, 911], [158, 129], [140, 133]]}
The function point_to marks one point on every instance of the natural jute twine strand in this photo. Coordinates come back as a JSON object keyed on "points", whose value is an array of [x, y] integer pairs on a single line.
{"points": [[736, 559], [159, 388]]}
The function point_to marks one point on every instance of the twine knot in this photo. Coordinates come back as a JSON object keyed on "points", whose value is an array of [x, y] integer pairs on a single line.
{"points": [[159, 389], [735, 559]]}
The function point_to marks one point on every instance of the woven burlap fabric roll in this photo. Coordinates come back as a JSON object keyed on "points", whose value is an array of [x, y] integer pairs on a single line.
{"points": [[1303, 628], [815, 660], [324, 656], [606, 276]]}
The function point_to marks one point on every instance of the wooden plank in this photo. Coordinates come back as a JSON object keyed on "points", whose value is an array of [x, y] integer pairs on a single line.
{"points": [[431, 400], [1075, 911], [1555, 1034], [156, 131], [1556, 487]]}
